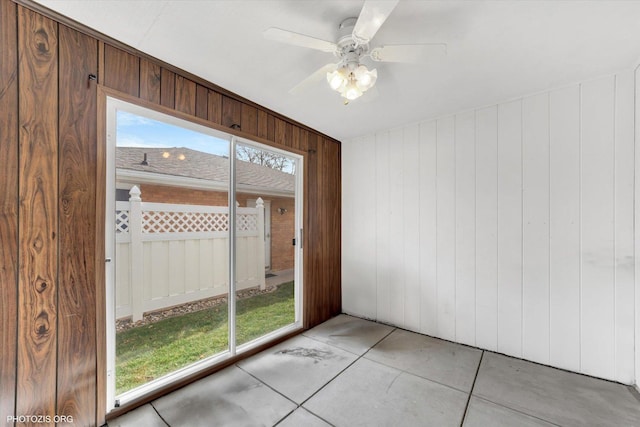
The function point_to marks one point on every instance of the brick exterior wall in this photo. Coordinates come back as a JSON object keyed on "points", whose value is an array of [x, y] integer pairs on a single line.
{"points": [[282, 233], [282, 226]]}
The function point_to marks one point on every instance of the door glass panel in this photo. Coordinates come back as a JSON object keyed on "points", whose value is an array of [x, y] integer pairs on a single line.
{"points": [[172, 247], [266, 221]]}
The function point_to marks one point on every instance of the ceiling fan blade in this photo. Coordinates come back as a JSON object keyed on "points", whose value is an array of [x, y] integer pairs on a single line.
{"points": [[313, 79], [289, 37], [372, 16], [408, 52]]}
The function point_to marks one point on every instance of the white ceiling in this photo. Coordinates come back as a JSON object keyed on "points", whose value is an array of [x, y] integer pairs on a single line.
{"points": [[497, 50]]}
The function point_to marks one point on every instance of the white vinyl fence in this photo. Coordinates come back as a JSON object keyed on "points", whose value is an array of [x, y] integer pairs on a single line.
{"points": [[169, 254]]}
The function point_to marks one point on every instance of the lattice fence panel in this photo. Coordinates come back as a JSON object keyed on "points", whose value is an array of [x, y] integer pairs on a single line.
{"points": [[246, 222], [122, 221], [183, 222]]}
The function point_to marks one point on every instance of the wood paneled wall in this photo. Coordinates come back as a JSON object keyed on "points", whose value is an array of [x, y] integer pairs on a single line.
{"points": [[50, 191], [509, 228]]}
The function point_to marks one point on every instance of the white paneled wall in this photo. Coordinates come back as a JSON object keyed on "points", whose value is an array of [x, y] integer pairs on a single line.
{"points": [[509, 227]]}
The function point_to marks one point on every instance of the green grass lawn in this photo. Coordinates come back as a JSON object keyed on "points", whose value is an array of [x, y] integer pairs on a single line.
{"points": [[150, 351]]}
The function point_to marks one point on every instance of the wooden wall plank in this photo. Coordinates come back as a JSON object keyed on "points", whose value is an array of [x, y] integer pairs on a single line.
{"points": [[262, 124], [280, 132], [214, 104], [185, 95], [446, 233], [384, 278], [598, 338], [322, 298], [428, 217], [465, 237], [288, 136], [38, 219], [359, 243], [487, 228], [249, 119], [510, 228], [202, 102], [564, 228], [150, 81], [535, 238], [312, 290], [304, 141], [396, 226], [231, 112], [77, 175], [624, 253], [121, 70], [167, 88], [332, 212], [8, 207], [271, 128], [411, 226], [296, 137]]}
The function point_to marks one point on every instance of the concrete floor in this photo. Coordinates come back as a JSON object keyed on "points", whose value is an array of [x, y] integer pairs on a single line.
{"points": [[352, 372]]}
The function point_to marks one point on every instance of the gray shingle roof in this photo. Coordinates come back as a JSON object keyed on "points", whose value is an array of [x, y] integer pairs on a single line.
{"points": [[190, 163]]}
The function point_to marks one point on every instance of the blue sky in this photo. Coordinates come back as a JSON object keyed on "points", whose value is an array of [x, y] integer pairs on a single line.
{"points": [[138, 131]]}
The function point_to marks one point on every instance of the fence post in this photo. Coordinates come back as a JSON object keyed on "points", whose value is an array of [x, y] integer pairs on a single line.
{"points": [[136, 255], [260, 225]]}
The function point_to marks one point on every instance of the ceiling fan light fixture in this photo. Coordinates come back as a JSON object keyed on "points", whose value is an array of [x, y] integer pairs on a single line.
{"points": [[337, 79], [365, 79], [352, 84], [352, 91]]}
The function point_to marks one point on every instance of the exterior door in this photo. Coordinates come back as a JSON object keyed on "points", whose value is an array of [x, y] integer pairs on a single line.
{"points": [[267, 231]]}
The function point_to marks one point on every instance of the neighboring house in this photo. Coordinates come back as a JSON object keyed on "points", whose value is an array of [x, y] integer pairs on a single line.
{"points": [[185, 176]]}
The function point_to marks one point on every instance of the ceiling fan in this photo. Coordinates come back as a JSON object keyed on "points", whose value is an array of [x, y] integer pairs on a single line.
{"points": [[349, 76]]}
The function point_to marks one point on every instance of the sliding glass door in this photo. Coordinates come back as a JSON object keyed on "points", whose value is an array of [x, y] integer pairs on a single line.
{"points": [[266, 238], [193, 216]]}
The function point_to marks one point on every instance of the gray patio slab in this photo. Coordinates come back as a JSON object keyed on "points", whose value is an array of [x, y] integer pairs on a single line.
{"points": [[451, 364], [230, 397], [554, 395], [349, 333], [298, 367], [482, 414], [302, 417], [371, 394], [142, 416]]}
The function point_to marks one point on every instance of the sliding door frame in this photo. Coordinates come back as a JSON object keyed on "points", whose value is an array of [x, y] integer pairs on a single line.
{"points": [[109, 101]]}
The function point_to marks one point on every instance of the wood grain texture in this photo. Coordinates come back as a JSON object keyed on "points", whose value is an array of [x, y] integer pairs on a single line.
{"points": [[295, 137], [185, 95], [333, 255], [312, 301], [262, 124], [280, 132], [121, 70], [37, 221], [150, 81], [167, 88], [76, 227], [8, 207], [52, 223], [231, 112], [249, 119], [214, 113], [202, 102], [288, 135], [271, 127]]}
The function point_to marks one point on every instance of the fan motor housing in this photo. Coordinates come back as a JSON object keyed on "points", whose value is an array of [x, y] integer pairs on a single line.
{"points": [[348, 50]]}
